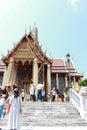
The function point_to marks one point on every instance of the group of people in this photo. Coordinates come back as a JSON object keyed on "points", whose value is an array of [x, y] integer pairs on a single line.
{"points": [[56, 95], [11, 104], [12, 98], [40, 92]]}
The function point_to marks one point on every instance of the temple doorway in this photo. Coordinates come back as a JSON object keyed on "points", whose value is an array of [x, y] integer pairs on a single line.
{"points": [[24, 76]]}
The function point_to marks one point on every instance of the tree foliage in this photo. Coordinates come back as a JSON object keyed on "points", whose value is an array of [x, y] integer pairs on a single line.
{"points": [[82, 82], [66, 89]]}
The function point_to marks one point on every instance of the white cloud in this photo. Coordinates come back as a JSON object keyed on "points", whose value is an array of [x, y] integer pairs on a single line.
{"points": [[74, 3]]}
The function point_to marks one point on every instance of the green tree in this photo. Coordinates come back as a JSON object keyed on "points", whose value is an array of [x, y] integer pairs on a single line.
{"points": [[82, 82]]}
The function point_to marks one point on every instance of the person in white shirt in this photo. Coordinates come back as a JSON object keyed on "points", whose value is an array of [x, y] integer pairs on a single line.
{"points": [[32, 91], [39, 93], [53, 94], [43, 94]]}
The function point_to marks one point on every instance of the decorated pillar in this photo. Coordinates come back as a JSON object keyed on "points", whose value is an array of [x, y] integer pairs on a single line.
{"points": [[66, 81], [49, 78], [9, 70], [74, 81], [35, 73], [4, 83], [13, 77], [57, 81]]}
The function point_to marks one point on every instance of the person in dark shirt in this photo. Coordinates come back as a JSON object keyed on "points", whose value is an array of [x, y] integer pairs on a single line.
{"points": [[57, 94], [5, 92]]}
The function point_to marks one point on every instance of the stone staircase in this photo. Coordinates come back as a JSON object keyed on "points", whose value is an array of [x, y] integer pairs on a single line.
{"points": [[48, 114]]}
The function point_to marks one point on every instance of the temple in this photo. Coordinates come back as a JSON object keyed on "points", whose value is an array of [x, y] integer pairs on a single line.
{"points": [[27, 62]]}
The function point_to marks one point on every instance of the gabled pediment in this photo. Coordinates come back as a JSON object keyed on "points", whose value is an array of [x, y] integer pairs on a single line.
{"points": [[23, 51], [27, 48]]}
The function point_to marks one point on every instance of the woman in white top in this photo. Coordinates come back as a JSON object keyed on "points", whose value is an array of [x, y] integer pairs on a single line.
{"points": [[14, 114]]}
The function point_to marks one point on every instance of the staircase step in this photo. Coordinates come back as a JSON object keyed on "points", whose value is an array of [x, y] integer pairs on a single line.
{"points": [[48, 114]]}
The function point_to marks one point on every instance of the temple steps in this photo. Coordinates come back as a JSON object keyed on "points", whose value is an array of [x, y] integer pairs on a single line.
{"points": [[48, 114]]}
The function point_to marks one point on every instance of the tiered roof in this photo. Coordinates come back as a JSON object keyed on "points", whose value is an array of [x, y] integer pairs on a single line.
{"points": [[61, 66], [2, 66], [57, 65], [34, 46]]}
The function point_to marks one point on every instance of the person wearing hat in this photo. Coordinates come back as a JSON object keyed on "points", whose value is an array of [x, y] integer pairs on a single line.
{"points": [[14, 113]]}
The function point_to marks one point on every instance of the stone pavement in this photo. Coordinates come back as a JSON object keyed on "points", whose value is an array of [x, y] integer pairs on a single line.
{"points": [[51, 128]]}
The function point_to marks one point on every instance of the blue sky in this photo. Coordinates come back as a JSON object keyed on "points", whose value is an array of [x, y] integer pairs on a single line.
{"points": [[62, 27]]}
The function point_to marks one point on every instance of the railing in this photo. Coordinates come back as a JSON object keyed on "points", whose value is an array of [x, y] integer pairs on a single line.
{"points": [[80, 102]]}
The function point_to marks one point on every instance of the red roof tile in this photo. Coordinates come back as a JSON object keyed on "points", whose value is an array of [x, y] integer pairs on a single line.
{"points": [[61, 66], [71, 65], [58, 62]]}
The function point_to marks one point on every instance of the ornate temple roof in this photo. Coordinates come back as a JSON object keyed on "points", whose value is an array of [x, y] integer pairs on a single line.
{"points": [[61, 66], [30, 41]]}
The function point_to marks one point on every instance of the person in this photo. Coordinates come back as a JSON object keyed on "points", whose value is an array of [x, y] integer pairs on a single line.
{"points": [[32, 91], [43, 94], [39, 93], [9, 89], [22, 94], [14, 113], [5, 92], [57, 94], [53, 94], [14, 86], [1, 102]]}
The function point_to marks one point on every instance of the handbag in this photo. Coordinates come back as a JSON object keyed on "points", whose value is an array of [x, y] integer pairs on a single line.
{"points": [[20, 111], [8, 108]]}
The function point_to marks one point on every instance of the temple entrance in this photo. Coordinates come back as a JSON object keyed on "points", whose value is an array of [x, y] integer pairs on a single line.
{"points": [[26, 86], [25, 83], [24, 76]]}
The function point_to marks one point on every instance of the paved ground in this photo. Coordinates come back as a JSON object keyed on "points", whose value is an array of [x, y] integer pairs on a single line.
{"points": [[51, 128]]}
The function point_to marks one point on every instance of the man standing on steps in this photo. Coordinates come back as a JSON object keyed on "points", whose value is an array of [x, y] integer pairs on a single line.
{"points": [[39, 91], [53, 93], [32, 92]]}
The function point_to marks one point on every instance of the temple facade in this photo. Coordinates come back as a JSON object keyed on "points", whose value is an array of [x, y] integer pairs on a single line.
{"points": [[27, 62]]}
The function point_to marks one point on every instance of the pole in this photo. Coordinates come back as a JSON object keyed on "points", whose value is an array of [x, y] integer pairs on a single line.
{"points": [[69, 74]]}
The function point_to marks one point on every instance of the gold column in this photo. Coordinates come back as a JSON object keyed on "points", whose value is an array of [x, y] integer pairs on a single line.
{"points": [[35, 73], [49, 78], [4, 82], [9, 70], [14, 76], [57, 81], [74, 81], [66, 82]]}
